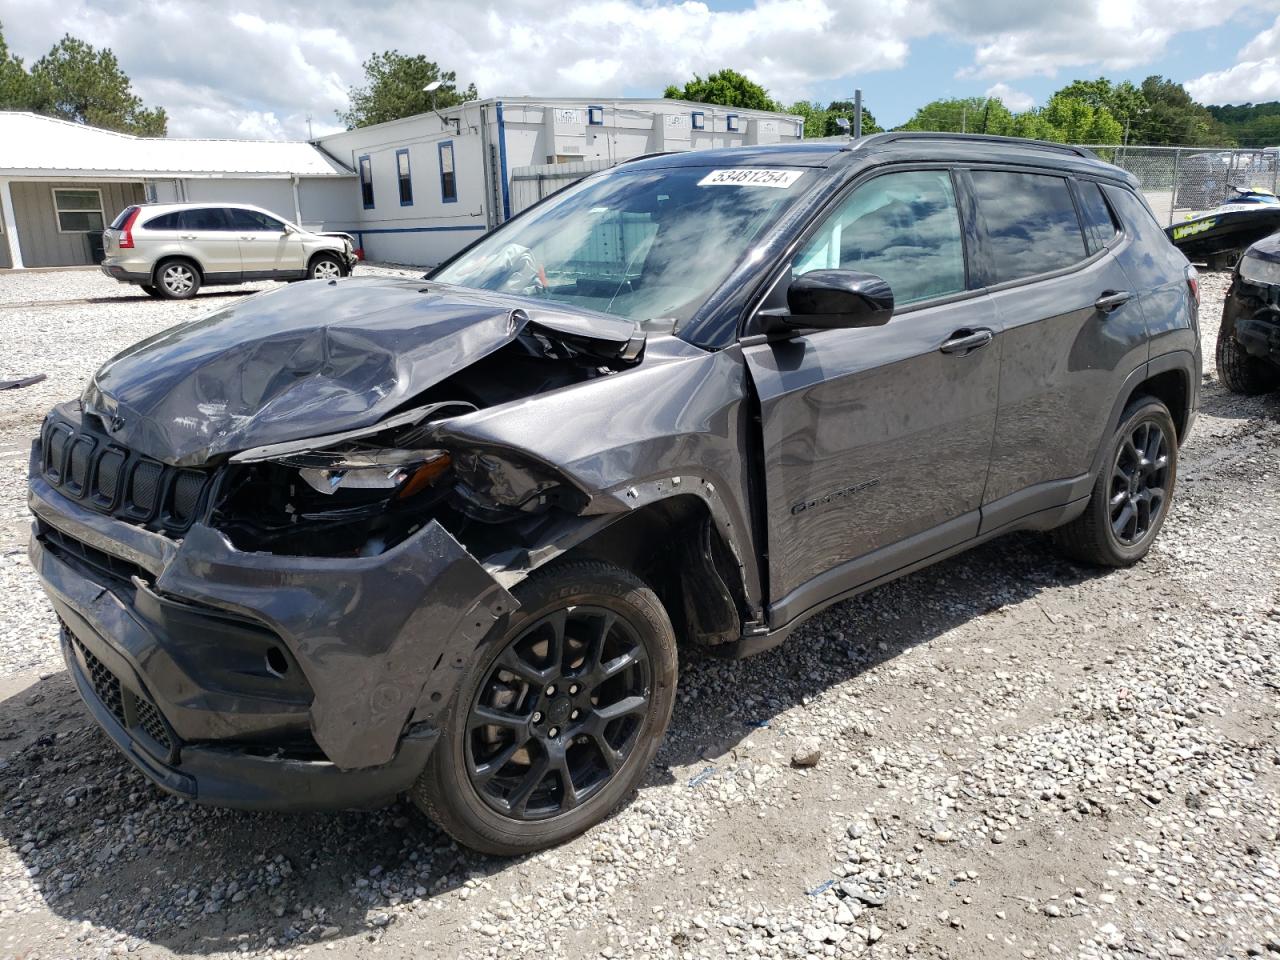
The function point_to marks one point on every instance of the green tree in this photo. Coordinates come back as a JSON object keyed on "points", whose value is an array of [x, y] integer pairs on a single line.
{"points": [[725, 87], [393, 89], [844, 109], [1074, 120], [15, 86], [963, 115], [77, 82], [815, 117], [1173, 118]]}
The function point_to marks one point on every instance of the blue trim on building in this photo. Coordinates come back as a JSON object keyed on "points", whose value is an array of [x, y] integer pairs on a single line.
{"points": [[731, 122], [591, 115], [407, 175], [698, 120], [418, 230], [502, 160], [453, 163], [360, 162]]}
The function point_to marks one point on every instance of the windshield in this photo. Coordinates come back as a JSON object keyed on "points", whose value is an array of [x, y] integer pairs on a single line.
{"points": [[649, 245]]}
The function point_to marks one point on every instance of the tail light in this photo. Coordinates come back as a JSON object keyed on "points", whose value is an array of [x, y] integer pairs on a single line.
{"points": [[1193, 284], [126, 230]]}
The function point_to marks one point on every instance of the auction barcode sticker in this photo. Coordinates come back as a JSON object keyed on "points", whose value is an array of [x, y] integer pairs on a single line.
{"points": [[751, 177]]}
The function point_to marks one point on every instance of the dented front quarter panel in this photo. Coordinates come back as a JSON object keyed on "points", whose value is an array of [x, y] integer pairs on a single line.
{"points": [[673, 425]]}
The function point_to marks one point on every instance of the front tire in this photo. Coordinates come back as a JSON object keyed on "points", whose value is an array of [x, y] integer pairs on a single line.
{"points": [[177, 280], [1239, 371], [1131, 496], [559, 715], [325, 267]]}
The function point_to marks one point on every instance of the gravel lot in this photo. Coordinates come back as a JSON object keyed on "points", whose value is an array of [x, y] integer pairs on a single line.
{"points": [[1019, 757]]}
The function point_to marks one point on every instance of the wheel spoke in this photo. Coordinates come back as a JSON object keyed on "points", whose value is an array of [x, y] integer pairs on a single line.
{"points": [[519, 799], [569, 797], [595, 651], [612, 758], [482, 716], [555, 645], [484, 772], [624, 707], [1121, 523], [512, 662]]}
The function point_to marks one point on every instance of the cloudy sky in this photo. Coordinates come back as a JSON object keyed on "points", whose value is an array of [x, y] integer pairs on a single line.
{"points": [[231, 68]]}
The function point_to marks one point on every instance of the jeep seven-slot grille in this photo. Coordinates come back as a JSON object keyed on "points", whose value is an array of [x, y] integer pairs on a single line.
{"points": [[130, 710], [88, 466]]}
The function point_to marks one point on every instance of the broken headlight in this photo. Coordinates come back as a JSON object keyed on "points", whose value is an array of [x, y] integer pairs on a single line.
{"points": [[1257, 270], [401, 473]]}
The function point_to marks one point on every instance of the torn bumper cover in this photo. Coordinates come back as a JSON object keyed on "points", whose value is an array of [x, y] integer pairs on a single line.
{"points": [[1254, 310], [254, 680]]}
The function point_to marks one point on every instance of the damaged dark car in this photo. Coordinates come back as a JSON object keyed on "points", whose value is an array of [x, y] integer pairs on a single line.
{"points": [[346, 540], [1248, 350]]}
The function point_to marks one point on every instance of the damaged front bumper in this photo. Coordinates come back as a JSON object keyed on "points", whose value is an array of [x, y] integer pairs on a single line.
{"points": [[1254, 310], [255, 680]]}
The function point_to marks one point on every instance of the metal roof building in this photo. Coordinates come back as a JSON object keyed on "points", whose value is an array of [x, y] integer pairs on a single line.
{"points": [[62, 182]]}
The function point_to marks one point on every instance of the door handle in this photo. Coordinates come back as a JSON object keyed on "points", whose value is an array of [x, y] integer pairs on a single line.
{"points": [[1112, 300], [187, 236], [963, 342], [248, 238]]}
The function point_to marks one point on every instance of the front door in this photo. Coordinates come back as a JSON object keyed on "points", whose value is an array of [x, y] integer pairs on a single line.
{"points": [[267, 246], [876, 441]]}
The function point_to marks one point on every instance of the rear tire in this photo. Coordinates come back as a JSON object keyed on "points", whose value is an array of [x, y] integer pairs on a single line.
{"points": [[1131, 496], [1239, 371], [177, 279], [325, 267], [499, 787], [151, 291]]}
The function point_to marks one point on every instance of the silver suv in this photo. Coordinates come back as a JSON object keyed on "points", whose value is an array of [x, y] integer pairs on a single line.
{"points": [[173, 249]]}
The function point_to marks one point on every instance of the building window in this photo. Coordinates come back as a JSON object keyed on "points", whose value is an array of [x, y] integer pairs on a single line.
{"points": [[402, 175], [731, 123], [448, 178], [366, 183], [79, 211], [595, 116], [698, 120]]}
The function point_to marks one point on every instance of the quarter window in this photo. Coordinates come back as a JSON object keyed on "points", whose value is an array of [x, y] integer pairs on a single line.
{"points": [[79, 211], [405, 180], [448, 178], [1099, 225], [366, 182], [902, 227], [1031, 223], [166, 221]]}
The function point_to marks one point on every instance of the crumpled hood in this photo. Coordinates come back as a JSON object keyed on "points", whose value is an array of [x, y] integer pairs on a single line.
{"points": [[310, 359]]}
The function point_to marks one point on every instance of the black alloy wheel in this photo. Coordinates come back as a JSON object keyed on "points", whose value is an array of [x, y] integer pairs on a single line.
{"points": [[1139, 482], [558, 714]]}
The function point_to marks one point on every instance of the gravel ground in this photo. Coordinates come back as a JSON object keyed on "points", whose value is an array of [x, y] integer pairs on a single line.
{"points": [[1012, 757]]}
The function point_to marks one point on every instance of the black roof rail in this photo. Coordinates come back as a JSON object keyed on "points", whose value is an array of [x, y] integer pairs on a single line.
{"points": [[895, 135]]}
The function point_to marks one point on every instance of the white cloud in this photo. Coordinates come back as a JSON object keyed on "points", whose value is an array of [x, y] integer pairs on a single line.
{"points": [[1254, 77], [1015, 100], [260, 67]]}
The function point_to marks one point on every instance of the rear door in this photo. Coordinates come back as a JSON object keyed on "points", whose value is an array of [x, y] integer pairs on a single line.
{"points": [[876, 441], [208, 238], [267, 246], [1073, 330]]}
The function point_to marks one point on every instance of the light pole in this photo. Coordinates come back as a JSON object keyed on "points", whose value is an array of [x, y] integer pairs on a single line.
{"points": [[431, 88]]}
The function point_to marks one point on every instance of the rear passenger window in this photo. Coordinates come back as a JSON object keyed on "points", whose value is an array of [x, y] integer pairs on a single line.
{"points": [[1031, 223], [1099, 226], [166, 221], [902, 227], [206, 218]]}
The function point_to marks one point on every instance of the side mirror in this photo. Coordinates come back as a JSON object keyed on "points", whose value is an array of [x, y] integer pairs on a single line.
{"points": [[832, 299]]}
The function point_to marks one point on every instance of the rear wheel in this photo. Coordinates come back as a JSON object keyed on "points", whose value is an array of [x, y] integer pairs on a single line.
{"points": [[325, 267], [559, 716], [1131, 496], [1239, 371], [177, 280]]}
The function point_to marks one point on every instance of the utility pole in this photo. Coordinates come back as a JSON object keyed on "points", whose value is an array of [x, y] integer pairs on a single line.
{"points": [[309, 137], [857, 114], [964, 118]]}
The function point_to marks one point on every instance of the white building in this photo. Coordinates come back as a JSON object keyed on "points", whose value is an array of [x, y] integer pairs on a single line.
{"points": [[432, 183], [61, 183], [412, 191]]}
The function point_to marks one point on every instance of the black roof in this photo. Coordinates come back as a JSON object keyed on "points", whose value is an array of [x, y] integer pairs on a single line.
{"points": [[898, 145]]}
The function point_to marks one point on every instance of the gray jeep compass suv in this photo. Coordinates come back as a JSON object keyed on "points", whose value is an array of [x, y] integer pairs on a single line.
{"points": [[343, 540]]}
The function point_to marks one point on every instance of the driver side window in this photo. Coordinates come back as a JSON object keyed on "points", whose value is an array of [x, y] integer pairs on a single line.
{"points": [[902, 227]]}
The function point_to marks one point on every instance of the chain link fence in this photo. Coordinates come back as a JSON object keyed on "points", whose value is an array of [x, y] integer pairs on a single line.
{"points": [[1181, 180]]}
